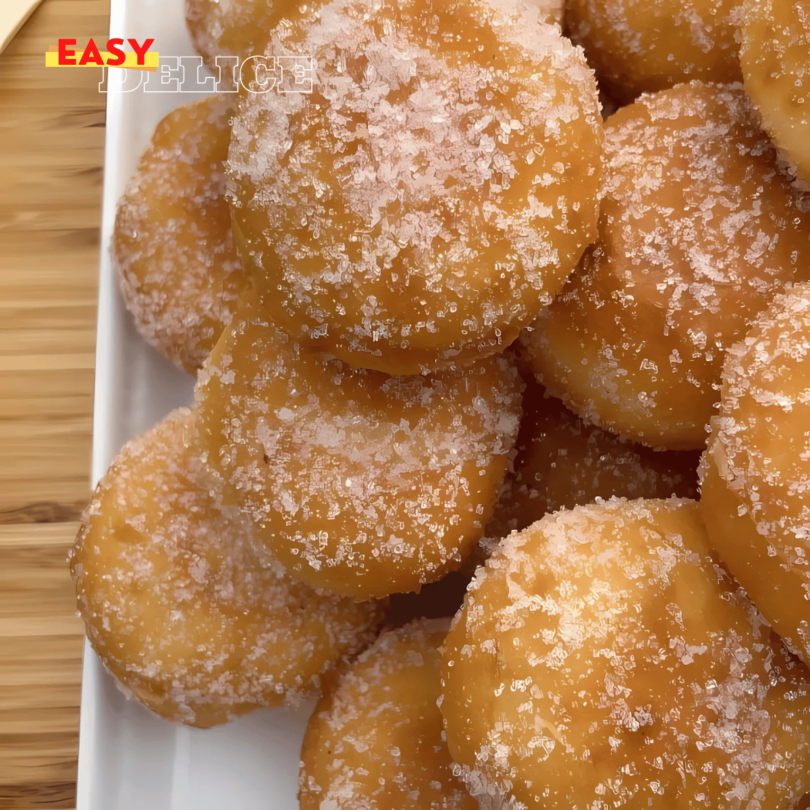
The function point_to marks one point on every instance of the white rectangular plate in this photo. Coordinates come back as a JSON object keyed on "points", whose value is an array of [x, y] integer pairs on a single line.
{"points": [[129, 759]]}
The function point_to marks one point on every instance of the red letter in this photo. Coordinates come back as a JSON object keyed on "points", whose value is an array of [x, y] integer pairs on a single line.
{"points": [[66, 56], [91, 55], [116, 52], [141, 50]]}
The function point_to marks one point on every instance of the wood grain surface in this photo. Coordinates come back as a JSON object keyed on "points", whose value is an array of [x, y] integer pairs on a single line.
{"points": [[51, 155]]}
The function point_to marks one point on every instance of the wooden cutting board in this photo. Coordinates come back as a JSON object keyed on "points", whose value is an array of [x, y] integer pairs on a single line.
{"points": [[51, 153]]}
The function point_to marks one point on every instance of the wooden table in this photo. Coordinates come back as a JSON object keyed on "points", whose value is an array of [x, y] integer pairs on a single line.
{"points": [[51, 154]]}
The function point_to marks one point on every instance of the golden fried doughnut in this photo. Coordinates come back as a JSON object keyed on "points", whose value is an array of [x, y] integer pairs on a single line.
{"points": [[239, 28], [173, 244], [641, 46], [756, 470], [432, 193], [604, 659], [359, 483], [561, 462], [775, 56], [178, 605], [244, 28], [375, 739], [698, 230]]}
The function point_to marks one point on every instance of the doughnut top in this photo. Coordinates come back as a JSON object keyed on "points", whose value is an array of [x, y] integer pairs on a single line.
{"points": [[244, 27], [761, 437], [695, 210], [363, 481], [384, 430], [605, 659], [462, 30], [698, 229], [415, 114], [425, 197], [375, 740], [178, 603]]}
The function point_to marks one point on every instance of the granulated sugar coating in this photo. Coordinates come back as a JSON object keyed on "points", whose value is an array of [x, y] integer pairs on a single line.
{"points": [[360, 483], [698, 230], [756, 469], [642, 46], [375, 739], [435, 189], [177, 603], [775, 55], [240, 28], [244, 28], [173, 245], [561, 462], [604, 659]]}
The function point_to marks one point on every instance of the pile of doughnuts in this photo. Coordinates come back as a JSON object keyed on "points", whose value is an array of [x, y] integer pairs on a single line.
{"points": [[500, 444]]}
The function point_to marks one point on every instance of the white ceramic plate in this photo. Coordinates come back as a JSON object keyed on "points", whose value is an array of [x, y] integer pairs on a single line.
{"points": [[129, 759]]}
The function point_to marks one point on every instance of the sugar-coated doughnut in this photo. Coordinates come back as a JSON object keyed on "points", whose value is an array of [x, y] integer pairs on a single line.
{"points": [[561, 462], [775, 56], [173, 243], [756, 469], [698, 230], [432, 193], [243, 28], [179, 606], [604, 659], [375, 740], [642, 46], [360, 483], [240, 28]]}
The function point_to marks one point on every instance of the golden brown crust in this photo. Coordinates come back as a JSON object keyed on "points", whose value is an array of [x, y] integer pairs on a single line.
{"points": [[643, 46], [756, 469], [181, 608], [375, 739], [172, 244], [561, 462], [428, 198], [698, 230], [360, 483], [775, 56], [604, 658]]}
